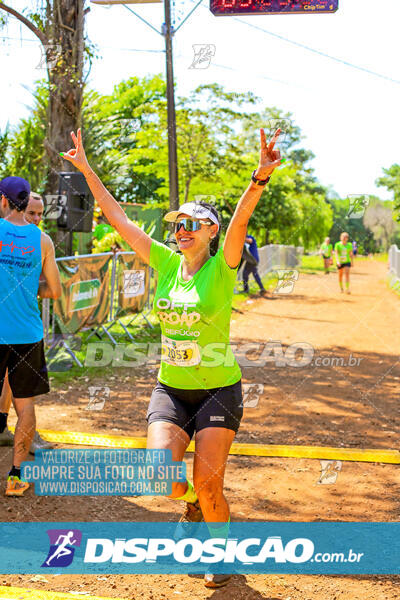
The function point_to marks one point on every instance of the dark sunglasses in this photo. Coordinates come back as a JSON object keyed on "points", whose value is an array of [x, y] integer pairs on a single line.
{"points": [[190, 225]]}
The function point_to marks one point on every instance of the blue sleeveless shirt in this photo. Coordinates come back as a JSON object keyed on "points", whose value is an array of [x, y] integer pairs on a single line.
{"points": [[20, 269]]}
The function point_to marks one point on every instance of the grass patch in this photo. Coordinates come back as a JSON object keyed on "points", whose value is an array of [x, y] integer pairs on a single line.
{"points": [[313, 264], [381, 257], [62, 368], [393, 284], [269, 282]]}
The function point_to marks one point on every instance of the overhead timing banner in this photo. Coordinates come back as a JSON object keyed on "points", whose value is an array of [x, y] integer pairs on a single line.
{"points": [[86, 295]]}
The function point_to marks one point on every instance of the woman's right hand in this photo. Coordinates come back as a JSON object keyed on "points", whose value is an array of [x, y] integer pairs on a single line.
{"points": [[77, 155]]}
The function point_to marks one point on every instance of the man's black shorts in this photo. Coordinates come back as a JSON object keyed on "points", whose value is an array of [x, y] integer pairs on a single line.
{"points": [[346, 264], [27, 371], [193, 410]]}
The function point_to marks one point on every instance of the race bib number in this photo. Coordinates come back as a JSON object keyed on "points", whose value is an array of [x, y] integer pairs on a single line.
{"points": [[180, 353]]}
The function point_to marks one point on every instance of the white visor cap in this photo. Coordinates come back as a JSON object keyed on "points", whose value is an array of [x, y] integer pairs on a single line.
{"points": [[193, 209]]}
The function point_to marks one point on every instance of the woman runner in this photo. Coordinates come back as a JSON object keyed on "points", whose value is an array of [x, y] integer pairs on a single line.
{"points": [[197, 392], [326, 253], [344, 260]]}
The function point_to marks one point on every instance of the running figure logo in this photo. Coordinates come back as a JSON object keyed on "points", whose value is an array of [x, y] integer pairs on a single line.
{"points": [[203, 54], [251, 394], [357, 206], [286, 280], [97, 397], [61, 552], [329, 471]]}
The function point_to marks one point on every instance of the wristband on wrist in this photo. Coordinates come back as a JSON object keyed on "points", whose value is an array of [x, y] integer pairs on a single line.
{"points": [[259, 181]]}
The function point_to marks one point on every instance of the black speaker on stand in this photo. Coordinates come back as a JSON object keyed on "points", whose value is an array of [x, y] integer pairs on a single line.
{"points": [[76, 213]]}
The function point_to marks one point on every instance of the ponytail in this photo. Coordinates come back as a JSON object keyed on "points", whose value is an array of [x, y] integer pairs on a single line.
{"points": [[214, 243]]}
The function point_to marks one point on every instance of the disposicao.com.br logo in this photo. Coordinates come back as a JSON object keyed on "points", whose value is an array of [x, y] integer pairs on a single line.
{"points": [[62, 547], [192, 550], [161, 548], [260, 553]]}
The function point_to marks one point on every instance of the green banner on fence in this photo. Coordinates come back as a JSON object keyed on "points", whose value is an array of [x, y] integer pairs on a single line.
{"points": [[85, 299]]}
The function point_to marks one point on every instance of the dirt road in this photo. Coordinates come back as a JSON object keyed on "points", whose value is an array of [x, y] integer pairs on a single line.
{"points": [[350, 399]]}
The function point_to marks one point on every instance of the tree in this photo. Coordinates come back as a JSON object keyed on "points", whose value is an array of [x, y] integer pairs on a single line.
{"points": [[26, 152], [125, 137], [206, 123], [4, 153], [356, 228], [391, 180], [379, 220], [59, 26]]}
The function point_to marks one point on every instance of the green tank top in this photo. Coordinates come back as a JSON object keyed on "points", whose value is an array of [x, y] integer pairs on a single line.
{"points": [[195, 321], [326, 249], [343, 252]]}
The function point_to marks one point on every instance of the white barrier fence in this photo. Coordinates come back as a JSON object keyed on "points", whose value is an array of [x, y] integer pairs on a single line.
{"points": [[275, 256], [278, 257], [394, 262]]}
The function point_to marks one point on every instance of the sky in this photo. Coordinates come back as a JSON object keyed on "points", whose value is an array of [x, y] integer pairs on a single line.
{"points": [[349, 118]]}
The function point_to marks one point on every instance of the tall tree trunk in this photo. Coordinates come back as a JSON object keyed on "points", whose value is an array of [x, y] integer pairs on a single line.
{"points": [[187, 188], [62, 39], [65, 77]]}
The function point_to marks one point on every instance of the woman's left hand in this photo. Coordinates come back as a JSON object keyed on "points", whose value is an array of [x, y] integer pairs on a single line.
{"points": [[269, 158]]}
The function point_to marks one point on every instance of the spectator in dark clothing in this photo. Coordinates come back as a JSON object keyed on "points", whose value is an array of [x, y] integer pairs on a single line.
{"points": [[251, 265]]}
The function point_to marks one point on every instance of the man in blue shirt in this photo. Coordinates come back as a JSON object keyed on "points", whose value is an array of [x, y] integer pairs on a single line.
{"points": [[33, 214], [251, 265], [28, 269]]}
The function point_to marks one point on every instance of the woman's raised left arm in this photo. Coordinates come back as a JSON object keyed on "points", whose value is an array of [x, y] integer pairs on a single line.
{"points": [[236, 234]]}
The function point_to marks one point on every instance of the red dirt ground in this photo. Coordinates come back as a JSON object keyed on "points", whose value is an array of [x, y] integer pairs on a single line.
{"points": [[341, 406]]}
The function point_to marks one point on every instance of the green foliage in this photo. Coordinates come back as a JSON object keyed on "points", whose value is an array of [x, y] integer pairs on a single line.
{"points": [[25, 150], [4, 152], [131, 163], [37, 16], [111, 241], [391, 180], [114, 241], [125, 136], [370, 238]]}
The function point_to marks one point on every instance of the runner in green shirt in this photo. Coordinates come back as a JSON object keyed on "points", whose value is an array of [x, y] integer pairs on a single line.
{"points": [[198, 391], [344, 260], [326, 253]]}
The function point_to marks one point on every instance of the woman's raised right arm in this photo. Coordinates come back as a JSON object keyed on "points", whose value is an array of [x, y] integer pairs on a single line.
{"points": [[138, 240]]}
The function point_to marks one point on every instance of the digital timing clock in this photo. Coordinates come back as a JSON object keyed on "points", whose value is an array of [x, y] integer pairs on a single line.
{"points": [[272, 7]]}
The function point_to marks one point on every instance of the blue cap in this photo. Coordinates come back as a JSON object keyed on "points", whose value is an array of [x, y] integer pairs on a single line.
{"points": [[17, 191]]}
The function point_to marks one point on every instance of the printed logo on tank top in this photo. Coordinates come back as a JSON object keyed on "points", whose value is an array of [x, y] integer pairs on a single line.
{"points": [[182, 353], [19, 250], [168, 314]]}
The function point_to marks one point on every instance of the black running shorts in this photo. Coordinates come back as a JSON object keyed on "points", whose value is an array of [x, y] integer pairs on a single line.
{"points": [[27, 371], [346, 264], [194, 410]]}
